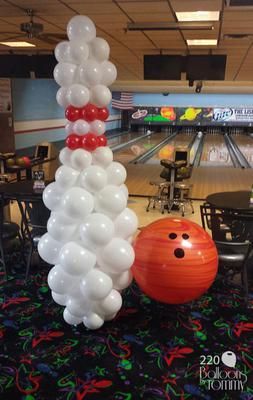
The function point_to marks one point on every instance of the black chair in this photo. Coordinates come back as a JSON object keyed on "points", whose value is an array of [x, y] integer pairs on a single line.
{"points": [[233, 236], [233, 260], [9, 231], [213, 219], [34, 217]]}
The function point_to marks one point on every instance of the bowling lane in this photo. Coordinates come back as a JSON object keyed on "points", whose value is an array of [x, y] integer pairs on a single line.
{"points": [[181, 140], [245, 144], [215, 152], [129, 153], [120, 139]]}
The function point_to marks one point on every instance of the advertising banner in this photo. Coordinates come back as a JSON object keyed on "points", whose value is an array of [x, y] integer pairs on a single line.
{"points": [[169, 115], [233, 114]]}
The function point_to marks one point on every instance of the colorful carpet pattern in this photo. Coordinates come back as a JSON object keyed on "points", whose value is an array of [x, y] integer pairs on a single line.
{"points": [[151, 351]]}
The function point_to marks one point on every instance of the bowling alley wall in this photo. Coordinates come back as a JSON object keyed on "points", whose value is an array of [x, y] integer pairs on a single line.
{"points": [[37, 117]]}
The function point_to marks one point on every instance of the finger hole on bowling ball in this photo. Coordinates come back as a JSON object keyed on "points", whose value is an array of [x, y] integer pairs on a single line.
{"points": [[172, 235], [179, 253], [185, 236]]}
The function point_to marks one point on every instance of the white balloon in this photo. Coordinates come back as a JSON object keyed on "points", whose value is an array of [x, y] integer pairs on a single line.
{"points": [[81, 127], [65, 155], [75, 259], [97, 127], [78, 95], [100, 95], [110, 317], [93, 321], [126, 224], [112, 303], [71, 319], [75, 293], [76, 308], [97, 228], [117, 256], [61, 97], [81, 28], [102, 156], [49, 248], [64, 73], [96, 285], [93, 178], [79, 51], [63, 219], [58, 230], [52, 196], [109, 73], [90, 73], [110, 201], [80, 159], [58, 280], [124, 189], [62, 52], [122, 281], [77, 203], [69, 127], [65, 177], [116, 173], [100, 49], [60, 299]]}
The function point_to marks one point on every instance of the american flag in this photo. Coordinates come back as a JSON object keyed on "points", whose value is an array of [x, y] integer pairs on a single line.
{"points": [[122, 100]]}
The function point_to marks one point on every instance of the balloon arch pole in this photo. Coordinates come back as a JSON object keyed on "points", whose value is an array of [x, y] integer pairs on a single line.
{"points": [[90, 229]]}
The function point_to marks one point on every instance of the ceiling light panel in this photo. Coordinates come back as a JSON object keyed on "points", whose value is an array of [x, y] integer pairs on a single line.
{"points": [[18, 44], [202, 42], [198, 16]]}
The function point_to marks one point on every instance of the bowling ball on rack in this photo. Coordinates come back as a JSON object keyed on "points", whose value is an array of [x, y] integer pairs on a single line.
{"points": [[176, 261], [20, 162], [182, 171], [10, 162], [27, 161]]}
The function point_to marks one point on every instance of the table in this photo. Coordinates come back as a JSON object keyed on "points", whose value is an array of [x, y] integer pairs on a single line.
{"points": [[19, 190], [237, 201], [16, 169]]}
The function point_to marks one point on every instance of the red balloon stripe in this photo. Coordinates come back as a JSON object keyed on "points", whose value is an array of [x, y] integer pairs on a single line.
{"points": [[89, 113], [73, 141], [88, 142], [102, 140]]}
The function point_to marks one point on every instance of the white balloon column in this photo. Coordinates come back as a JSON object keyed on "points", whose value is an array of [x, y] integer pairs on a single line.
{"points": [[90, 227]]}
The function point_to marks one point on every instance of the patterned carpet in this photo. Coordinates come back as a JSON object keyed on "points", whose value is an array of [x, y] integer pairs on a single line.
{"points": [[151, 351]]}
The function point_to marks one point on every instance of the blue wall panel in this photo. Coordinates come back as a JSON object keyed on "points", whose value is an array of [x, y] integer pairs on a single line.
{"points": [[35, 99], [24, 140], [196, 99]]}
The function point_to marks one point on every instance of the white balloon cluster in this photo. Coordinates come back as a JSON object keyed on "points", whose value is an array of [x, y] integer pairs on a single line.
{"points": [[83, 70], [89, 232]]}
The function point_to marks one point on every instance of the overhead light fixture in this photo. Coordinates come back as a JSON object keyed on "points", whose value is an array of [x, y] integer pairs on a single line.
{"points": [[18, 44], [169, 26], [198, 16], [198, 87], [202, 42], [237, 35]]}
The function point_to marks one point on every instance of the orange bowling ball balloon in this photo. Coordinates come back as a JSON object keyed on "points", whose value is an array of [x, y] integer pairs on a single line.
{"points": [[176, 261]]}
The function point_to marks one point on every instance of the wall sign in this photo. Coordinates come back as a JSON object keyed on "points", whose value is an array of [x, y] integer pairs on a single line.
{"points": [[5, 96]]}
